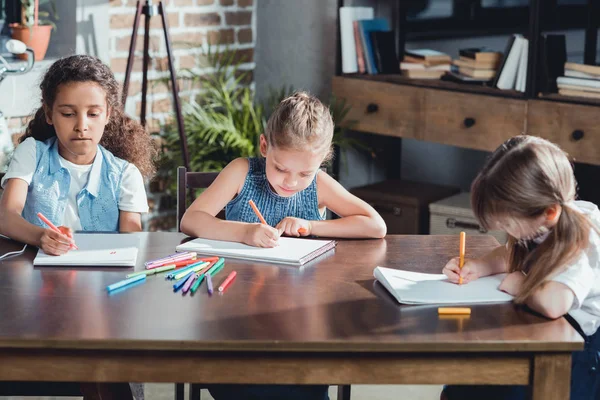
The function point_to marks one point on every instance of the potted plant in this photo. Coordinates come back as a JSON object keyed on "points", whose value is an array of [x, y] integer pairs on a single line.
{"points": [[35, 27]]}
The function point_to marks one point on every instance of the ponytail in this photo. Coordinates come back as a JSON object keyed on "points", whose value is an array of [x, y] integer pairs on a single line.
{"points": [[568, 238]]}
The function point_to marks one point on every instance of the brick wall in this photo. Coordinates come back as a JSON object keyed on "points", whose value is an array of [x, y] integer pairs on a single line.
{"points": [[193, 24]]}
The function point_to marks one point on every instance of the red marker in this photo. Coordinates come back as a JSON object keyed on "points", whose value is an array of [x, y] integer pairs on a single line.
{"points": [[227, 281], [53, 227]]}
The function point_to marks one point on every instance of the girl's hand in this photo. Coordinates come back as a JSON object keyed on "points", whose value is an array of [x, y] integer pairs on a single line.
{"points": [[261, 235], [294, 226], [54, 243], [469, 271], [512, 283]]}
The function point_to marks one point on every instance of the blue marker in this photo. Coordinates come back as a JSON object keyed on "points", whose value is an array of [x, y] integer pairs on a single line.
{"points": [[125, 282], [179, 284]]}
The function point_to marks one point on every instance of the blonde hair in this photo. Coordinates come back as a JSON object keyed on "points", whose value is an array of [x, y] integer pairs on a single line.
{"points": [[301, 122], [522, 178]]}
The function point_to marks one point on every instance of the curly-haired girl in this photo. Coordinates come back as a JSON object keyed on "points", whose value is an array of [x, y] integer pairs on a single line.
{"points": [[81, 162]]}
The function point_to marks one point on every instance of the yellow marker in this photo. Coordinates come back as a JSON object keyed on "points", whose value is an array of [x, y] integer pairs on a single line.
{"points": [[461, 254], [454, 311]]}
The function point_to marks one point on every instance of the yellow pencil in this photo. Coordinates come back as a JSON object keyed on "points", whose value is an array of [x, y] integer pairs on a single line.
{"points": [[454, 311], [461, 254]]}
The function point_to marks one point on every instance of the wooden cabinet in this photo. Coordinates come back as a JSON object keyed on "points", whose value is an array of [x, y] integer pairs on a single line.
{"points": [[575, 128], [470, 120], [383, 108], [403, 205]]}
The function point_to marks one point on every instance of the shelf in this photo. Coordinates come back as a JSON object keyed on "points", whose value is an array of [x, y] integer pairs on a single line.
{"points": [[439, 84], [569, 99]]}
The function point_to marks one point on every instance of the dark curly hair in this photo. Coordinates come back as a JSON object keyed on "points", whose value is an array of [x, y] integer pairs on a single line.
{"points": [[123, 136]]}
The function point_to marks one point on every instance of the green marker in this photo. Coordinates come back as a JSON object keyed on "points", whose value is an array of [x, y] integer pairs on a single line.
{"points": [[152, 271], [197, 283], [217, 267]]}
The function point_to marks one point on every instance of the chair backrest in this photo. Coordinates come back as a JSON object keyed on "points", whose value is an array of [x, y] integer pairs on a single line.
{"points": [[190, 180]]}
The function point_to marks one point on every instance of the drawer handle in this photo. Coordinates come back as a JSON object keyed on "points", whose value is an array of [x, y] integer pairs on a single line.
{"points": [[469, 122], [453, 223], [577, 135], [372, 108]]}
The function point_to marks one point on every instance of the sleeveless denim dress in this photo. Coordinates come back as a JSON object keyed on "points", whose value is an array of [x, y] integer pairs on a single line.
{"points": [[304, 204]]}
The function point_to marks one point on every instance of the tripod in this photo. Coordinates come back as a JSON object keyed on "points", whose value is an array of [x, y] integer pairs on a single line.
{"points": [[150, 10]]}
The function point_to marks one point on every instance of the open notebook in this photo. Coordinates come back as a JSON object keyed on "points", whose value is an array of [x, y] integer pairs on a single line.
{"points": [[418, 288], [291, 251], [96, 249]]}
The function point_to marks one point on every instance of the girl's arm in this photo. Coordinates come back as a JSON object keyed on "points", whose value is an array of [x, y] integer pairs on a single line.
{"points": [[552, 300], [13, 225], [130, 221], [199, 219], [358, 219]]}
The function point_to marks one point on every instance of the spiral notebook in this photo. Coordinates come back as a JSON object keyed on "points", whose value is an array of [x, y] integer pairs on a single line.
{"points": [[96, 249], [291, 251], [419, 288]]}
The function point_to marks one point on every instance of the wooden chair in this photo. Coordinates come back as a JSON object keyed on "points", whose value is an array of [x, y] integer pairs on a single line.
{"points": [[191, 180]]}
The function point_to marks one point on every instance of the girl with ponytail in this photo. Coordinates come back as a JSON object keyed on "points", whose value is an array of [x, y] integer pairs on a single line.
{"points": [[527, 189], [81, 162]]}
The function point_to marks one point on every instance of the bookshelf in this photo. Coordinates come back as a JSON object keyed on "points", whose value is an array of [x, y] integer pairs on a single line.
{"points": [[470, 116]]}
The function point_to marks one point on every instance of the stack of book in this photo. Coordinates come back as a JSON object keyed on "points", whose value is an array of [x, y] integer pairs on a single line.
{"points": [[425, 64], [478, 64], [580, 80]]}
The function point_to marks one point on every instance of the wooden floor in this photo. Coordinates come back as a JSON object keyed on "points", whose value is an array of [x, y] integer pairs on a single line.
{"points": [[359, 392]]}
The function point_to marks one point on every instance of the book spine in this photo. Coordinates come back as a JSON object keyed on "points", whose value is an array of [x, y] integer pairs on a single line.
{"points": [[360, 56]]}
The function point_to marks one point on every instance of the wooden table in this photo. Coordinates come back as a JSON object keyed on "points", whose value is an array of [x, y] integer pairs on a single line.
{"points": [[327, 323]]}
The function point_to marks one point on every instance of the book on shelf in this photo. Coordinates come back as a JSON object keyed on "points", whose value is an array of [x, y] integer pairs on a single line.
{"points": [[477, 73], [384, 47], [453, 76], [579, 93], [360, 53], [422, 74], [584, 84], [466, 62], [521, 81], [551, 65], [577, 74], [480, 55], [348, 41], [573, 87], [586, 69], [427, 56], [414, 65], [366, 26]]}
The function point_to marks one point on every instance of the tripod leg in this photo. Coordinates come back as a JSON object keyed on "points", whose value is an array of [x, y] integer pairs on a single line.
{"points": [[136, 24], [175, 89], [145, 68]]}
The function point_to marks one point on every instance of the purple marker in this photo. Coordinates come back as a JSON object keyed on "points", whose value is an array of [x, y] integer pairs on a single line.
{"points": [[188, 283], [209, 284]]}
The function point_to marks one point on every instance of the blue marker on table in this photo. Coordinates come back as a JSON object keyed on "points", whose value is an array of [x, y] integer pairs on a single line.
{"points": [[179, 284], [125, 282]]}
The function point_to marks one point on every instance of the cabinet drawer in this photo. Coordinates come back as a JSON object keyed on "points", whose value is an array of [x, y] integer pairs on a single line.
{"points": [[399, 219], [472, 121], [380, 107], [573, 127]]}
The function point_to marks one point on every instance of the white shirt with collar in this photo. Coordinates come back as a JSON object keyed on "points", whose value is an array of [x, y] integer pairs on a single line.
{"points": [[132, 197], [582, 275]]}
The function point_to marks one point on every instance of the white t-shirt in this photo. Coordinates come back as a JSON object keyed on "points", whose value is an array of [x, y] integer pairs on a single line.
{"points": [[582, 275], [132, 196]]}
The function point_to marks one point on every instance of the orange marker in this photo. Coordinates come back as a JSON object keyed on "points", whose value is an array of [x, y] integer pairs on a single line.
{"points": [[461, 254], [302, 231], [53, 227], [257, 212], [454, 311]]}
